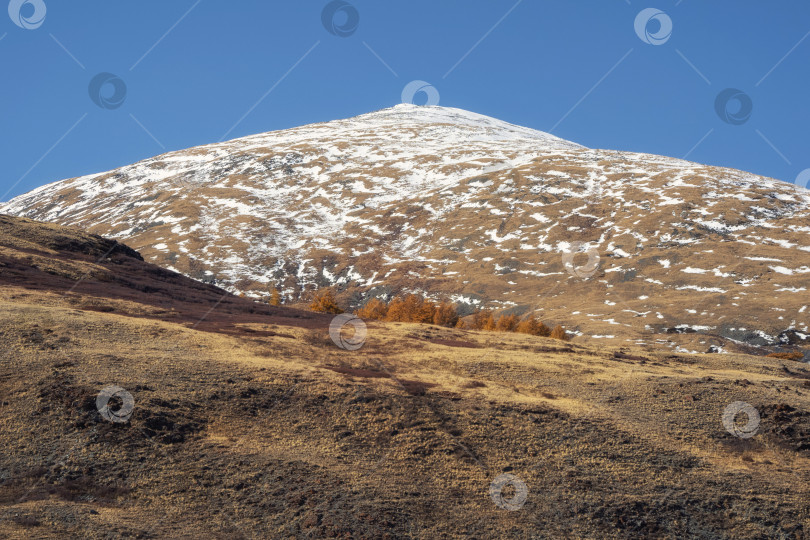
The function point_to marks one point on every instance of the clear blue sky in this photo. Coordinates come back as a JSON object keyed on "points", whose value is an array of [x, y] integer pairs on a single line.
{"points": [[578, 67]]}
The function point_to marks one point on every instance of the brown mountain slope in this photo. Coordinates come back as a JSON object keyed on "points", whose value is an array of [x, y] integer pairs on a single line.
{"points": [[621, 247], [278, 433]]}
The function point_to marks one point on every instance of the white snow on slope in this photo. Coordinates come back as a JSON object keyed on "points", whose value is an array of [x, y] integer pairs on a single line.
{"points": [[281, 193]]}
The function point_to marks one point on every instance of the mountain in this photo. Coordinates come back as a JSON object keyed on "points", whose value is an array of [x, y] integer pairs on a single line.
{"points": [[616, 246], [234, 419]]}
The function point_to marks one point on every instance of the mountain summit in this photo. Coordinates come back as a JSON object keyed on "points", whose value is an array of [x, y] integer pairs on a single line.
{"points": [[452, 204]]}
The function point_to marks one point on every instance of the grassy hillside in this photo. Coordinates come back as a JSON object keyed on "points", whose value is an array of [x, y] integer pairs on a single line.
{"points": [[249, 422]]}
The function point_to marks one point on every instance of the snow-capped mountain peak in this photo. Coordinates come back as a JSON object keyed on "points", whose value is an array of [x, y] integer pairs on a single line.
{"points": [[458, 205], [462, 122]]}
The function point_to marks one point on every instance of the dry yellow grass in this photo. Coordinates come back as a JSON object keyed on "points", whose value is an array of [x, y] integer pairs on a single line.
{"points": [[249, 422], [294, 437]]}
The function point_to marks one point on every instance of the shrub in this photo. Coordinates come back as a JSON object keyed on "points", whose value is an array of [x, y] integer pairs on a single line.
{"points": [[324, 302], [483, 320], [533, 327], [418, 309], [506, 323], [412, 308], [375, 309], [415, 309], [559, 333], [795, 355], [396, 310], [426, 312], [446, 315]]}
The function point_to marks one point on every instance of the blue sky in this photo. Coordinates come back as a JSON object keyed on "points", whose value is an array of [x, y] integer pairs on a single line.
{"points": [[196, 72]]}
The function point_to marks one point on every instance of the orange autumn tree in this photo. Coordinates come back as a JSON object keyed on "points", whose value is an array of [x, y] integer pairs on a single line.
{"points": [[445, 315], [424, 311], [324, 302], [483, 320], [559, 333], [415, 309], [375, 309], [506, 323], [411, 305], [396, 310], [412, 308], [795, 355], [530, 325]]}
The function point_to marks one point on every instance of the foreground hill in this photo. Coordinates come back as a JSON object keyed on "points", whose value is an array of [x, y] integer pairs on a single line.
{"points": [[68, 267], [247, 421], [452, 204]]}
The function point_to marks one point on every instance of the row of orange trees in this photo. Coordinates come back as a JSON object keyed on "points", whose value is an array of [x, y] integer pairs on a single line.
{"points": [[411, 308], [415, 309]]}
